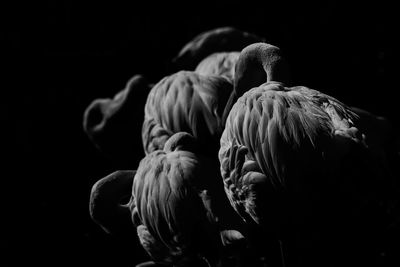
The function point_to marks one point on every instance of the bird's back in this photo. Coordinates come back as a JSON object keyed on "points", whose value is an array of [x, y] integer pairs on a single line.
{"points": [[294, 162], [185, 102]]}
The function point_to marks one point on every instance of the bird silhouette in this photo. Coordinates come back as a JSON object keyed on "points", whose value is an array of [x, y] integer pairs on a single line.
{"points": [[257, 63], [192, 102], [295, 164]]}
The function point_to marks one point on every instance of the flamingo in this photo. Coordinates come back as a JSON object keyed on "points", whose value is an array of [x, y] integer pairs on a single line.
{"points": [[112, 124], [186, 102], [194, 101], [172, 221], [294, 164], [175, 200]]}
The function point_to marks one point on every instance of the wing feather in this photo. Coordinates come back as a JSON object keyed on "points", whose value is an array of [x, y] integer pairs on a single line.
{"points": [[185, 102], [284, 130]]}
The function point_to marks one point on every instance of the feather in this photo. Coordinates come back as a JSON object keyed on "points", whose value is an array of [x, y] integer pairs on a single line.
{"points": [[173, 204], [279, 128], [185, 102]]}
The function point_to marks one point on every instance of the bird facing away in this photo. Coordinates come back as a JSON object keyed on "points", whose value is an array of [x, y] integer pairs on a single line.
{"points": [[269, 127], [257, 63], [177, 202], [293, 161], [295, 164], [186, 102], [170, 204], [197, 102]]}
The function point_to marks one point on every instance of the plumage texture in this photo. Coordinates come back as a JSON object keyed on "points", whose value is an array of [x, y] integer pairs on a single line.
{"points": [[275, 137], [219, 64], [294, 162], [185, 102], [257, 63], [172, 221], [286, 140]]}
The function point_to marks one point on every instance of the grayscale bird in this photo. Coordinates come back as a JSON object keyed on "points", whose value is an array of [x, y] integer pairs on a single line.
{"points": [[296, 165], [173, 205], [186, 102], [257, 63], [194, 101], [190, 102], [177, 203]]}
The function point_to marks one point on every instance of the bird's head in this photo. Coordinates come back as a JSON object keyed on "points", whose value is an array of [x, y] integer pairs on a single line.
{"points": [[108, 207], [181, 141], [259, 63]]}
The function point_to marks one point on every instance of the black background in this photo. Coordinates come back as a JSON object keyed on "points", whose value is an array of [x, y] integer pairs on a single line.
{"points": [[60, 55]]}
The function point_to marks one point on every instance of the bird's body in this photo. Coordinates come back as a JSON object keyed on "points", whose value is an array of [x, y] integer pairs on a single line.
{"points": [[300, 169], [306, 174], [173, 222], [185, 102], [295, 164], [282, 136]]}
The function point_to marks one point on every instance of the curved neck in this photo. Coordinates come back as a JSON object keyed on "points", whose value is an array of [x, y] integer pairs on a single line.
{"points": [[259, 63], [105, 204]]}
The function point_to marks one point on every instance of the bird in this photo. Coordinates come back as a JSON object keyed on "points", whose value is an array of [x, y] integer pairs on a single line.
{"points": [[257, 63], [186, 102], [113, 124], [297, 166], [173, 205], [194, 103], [193, 99]]}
